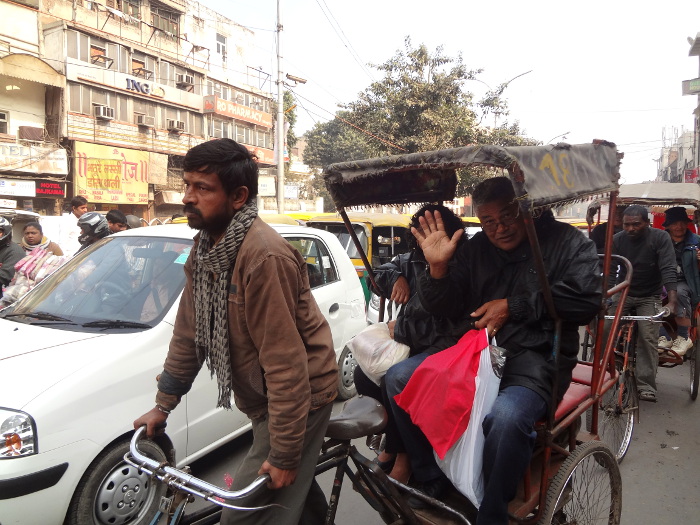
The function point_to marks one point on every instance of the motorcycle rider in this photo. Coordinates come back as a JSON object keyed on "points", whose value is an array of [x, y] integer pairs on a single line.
{"points": [[10, 253]]}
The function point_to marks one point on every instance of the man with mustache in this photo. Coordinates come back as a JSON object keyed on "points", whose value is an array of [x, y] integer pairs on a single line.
{"points": [[492, 279], [653, 259], [247, 311]]}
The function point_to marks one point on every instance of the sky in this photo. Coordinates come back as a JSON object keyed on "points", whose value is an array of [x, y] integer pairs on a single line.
{"points": [[596, 69]]}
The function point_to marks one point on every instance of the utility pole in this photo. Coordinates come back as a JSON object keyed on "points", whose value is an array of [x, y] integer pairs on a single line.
{"points": [[279, 131]]}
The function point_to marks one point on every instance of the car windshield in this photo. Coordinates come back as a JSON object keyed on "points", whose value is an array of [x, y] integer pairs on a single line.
{"points": [[122, 283]]}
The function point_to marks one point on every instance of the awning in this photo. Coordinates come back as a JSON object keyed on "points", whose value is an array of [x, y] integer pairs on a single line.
{"points": [[31, 68]]}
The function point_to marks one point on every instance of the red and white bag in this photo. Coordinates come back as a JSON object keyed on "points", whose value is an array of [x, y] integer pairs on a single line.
{"points": [[463, 383]]}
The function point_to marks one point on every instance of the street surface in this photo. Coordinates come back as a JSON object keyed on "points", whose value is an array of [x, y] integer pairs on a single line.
{"points": [[660, 474]]}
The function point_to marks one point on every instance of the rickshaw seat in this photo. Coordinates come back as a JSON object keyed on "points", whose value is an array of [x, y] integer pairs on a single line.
{"points": [[574, 396], [583, 373]]}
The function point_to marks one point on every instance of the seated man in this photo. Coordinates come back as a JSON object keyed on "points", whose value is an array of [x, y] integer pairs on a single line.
{"points": [[492, 278]]}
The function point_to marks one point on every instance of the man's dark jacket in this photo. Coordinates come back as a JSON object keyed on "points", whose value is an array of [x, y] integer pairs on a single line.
{"points": [[415, 326], [480, 272]]}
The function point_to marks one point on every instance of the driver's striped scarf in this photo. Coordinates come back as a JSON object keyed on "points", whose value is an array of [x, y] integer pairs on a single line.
{"points": [[211, 278]]}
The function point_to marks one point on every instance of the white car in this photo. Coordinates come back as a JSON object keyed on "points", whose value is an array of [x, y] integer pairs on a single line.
{"points": [[79, 359]]}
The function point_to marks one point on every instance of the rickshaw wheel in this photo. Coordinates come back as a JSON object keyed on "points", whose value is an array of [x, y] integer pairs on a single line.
{"points": [[615, 422], [586, 489], [694, 370]]}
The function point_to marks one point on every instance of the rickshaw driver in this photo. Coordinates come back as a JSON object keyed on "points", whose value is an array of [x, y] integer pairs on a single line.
{"points": [[653, 259], [492, 278]]}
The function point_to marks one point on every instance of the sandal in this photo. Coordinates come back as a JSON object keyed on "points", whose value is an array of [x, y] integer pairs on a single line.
{"points": [[386, 466], [647, 395]]}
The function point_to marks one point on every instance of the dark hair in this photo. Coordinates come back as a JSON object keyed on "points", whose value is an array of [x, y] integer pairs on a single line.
{"points": [[637, 209], [231, 161], [78, 201], [451, 221], [493, 189], [116, 216], [33, 224]]}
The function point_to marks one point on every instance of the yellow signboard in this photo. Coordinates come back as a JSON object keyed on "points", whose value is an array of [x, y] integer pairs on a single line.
{"points": [[110, 174]]}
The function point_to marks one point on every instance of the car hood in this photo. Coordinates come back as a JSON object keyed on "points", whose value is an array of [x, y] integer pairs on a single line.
{"points": [[34, 358]]}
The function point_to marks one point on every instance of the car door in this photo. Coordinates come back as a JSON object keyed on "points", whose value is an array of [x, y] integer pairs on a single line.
{"points": [[326, 285]]}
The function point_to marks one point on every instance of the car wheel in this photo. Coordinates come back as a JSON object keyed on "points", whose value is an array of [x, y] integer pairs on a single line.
{"points": [[346, 377], [112, 492]]}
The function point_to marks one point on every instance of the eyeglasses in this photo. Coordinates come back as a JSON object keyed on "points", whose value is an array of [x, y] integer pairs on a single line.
{"points": [[506, 220]]}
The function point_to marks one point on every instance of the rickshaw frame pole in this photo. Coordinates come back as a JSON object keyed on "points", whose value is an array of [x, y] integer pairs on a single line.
{"points": [[348, 225]]}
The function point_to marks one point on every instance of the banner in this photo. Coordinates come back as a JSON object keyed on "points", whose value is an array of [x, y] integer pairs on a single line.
{"points": [[109, 174]]}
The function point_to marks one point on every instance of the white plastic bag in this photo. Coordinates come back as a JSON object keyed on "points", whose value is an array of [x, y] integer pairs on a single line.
{"points": [[463, 462], [375, 351]]}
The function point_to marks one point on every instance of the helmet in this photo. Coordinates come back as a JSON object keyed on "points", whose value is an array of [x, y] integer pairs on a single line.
{"points": [[133, 221], [5, 230], [94, 226]]}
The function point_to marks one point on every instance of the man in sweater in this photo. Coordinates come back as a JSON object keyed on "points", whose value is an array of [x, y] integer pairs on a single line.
{"points": [[248, 313], [653, 261]]}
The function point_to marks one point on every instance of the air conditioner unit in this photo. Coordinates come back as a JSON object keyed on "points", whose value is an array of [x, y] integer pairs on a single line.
{"points": [[184, 80], [104, 112], [145, 121], [175, 125]]}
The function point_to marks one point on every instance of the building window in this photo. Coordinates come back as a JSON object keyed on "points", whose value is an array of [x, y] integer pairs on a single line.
{"points": [[221, 46], [129, 7], [165, 20], [4, 122]]}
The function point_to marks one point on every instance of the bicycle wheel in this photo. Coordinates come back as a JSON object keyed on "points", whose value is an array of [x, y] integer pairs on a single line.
{"points": [[694, 370], [587, 345], [618, 407], [586, 490]]}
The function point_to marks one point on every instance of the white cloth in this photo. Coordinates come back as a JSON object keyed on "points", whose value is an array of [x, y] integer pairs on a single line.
{"points": [[68, 233]]}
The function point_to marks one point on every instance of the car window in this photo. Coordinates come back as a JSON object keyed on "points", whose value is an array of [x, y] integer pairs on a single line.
{"points": [[340, 231], [132, 279], [319, 263]]}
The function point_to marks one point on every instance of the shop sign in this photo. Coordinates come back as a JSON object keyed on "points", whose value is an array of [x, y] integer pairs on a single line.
{"points": [[266, 186], [144, 88], [111, 175], [33, 159], [226, 108], [691, 87], [264, 156], [7, 203], [50, 189], [17, 188]]}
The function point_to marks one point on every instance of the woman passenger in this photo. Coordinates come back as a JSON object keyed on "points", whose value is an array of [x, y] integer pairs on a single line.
{"points": [[413, 326], [33, 237]]}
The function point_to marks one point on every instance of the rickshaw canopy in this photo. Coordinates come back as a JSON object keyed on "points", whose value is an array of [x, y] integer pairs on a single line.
{"points": [[660, 194], [542, 175]]}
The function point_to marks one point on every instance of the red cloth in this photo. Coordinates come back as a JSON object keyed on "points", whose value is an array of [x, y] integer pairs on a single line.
{"points": [[440, 394]]}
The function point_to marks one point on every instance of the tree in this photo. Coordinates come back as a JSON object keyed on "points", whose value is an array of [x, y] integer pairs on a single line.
{"points": [[420, 104], [336, 141]]}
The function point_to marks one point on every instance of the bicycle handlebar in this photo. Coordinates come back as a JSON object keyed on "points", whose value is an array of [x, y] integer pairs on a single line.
{"points": [[656, 318], [187, 482]]}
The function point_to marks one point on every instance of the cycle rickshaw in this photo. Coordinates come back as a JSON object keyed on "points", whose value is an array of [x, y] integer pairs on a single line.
{"points": [[658, 197], [573, 476]]}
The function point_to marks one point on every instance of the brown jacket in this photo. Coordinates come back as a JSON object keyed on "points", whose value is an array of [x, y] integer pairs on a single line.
{"points": [[281, 345]]}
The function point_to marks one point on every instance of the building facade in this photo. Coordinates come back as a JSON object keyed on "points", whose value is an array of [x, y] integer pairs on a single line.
{"points": [[144, 81]]}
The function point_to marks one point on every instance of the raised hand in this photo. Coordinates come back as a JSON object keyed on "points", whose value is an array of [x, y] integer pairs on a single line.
{"points": [[438, 248]]}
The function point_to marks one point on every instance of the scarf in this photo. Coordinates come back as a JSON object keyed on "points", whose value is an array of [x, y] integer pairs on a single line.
{"points": [[211, 278], [29, 247]]}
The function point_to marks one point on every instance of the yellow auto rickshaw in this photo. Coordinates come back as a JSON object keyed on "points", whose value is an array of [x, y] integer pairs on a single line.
{"points": [[382, 236]]}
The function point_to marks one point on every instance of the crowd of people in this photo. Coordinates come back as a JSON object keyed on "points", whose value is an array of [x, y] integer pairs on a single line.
{"points": [[24, 263]]}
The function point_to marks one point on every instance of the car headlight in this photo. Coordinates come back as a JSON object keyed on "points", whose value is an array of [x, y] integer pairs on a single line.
{"points": [[17, 434], [374, 301]]}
